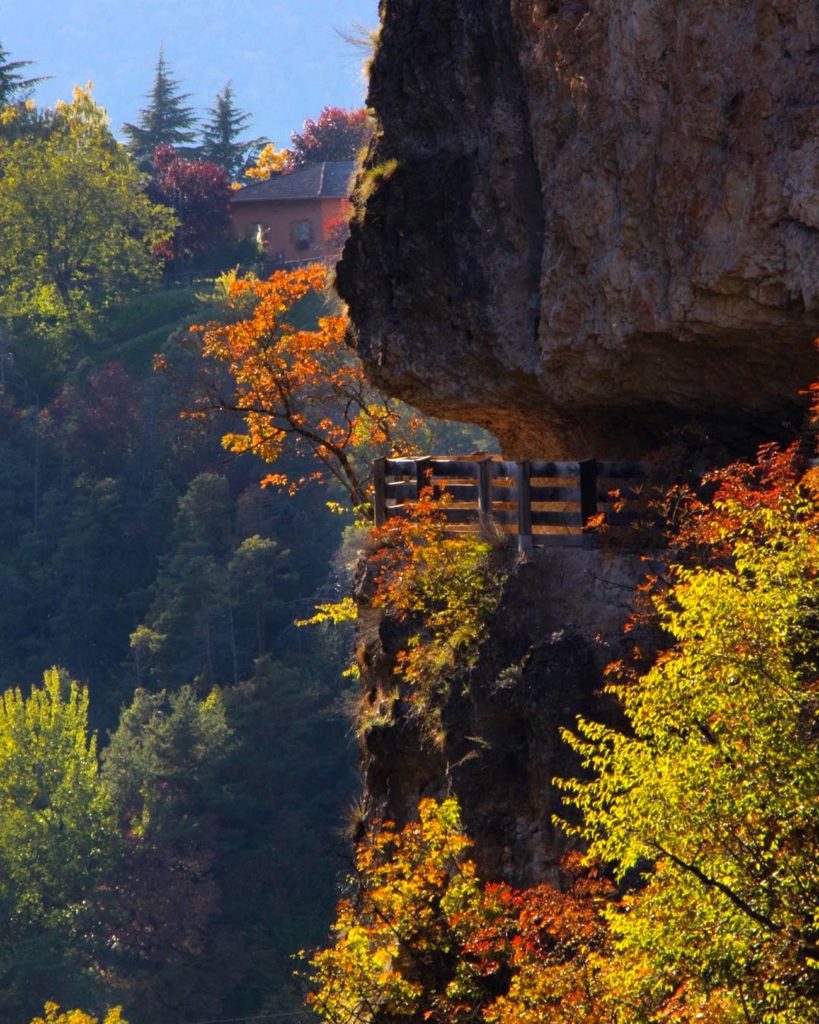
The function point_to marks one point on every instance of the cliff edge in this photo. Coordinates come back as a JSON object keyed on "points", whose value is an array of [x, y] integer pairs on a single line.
{"points": [[583, 223]]}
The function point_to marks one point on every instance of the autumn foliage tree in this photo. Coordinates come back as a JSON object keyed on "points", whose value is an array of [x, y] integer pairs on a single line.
{"points": [[713, 791], [336, 134], [395, 956], [445, 586], [337, 230], [424, 939], [97, 415], [198, 192], [559, 949], [52, 1014], [296, 389], [269, 162]]}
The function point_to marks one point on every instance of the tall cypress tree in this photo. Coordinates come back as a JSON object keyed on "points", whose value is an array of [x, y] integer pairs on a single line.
{"points": [[165, 121], [220, 134]]}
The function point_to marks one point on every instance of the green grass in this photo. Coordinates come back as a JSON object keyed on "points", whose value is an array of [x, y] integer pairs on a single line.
{"points": [[138, 353], [141, 326], [145, 313]]}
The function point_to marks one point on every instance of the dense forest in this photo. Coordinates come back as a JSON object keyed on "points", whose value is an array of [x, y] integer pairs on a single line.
{"points": [[179, 874], [175, 789]]}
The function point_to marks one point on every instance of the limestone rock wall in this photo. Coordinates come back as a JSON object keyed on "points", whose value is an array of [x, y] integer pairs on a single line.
{"points": [[585, 222], [491, 735]]}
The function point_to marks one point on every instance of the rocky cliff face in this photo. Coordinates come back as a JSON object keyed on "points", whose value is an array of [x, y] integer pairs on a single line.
{"points": [[491, 735], [584, 222]]}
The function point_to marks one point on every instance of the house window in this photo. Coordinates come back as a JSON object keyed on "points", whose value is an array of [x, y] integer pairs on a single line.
{"points": [[301, 233]]}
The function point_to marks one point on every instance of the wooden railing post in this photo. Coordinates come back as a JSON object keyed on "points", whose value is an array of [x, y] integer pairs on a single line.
{"points": [[484, 491], [523, 472], [588, 489], [422, 471], [379, 492]]}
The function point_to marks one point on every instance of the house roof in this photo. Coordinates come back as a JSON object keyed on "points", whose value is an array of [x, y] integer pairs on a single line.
{"points": [[327, 180]]}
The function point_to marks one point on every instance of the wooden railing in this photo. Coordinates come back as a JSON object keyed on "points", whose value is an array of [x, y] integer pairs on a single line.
{"points": [[541, 502]]}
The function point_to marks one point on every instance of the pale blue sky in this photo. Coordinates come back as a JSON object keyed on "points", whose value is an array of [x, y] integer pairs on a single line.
{"points": [[285, 57]]}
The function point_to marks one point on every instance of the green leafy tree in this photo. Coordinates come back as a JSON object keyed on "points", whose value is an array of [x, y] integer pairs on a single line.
{"points": [[716, 782], [76, 231], [58, 839], [166, 121], [290, 776], [221, 142], [87, 565], [55, 830]]}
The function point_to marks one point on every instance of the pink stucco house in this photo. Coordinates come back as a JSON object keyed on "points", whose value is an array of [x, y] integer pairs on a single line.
{"points": [[290, 214]]}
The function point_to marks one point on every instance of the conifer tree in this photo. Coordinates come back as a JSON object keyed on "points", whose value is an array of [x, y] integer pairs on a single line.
{"points": [[220, 134], [13, 86], [166, 121]]}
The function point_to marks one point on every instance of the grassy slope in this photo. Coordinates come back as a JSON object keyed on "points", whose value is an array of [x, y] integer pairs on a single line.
{"points": [[141, 327]]}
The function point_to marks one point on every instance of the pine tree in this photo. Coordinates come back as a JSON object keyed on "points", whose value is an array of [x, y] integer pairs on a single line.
{"points": [[165, 121], [13, 86], [220, 135]]}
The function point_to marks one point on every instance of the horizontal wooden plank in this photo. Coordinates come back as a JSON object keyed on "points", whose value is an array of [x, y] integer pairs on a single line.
{"points": [[540, 518], [538, 467], [400, 466]]}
